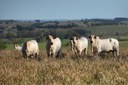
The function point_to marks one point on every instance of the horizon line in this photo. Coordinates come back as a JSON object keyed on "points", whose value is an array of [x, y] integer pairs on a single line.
{"points": [[60, 19]]}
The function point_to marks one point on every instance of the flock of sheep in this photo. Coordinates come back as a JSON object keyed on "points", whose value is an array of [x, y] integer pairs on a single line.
{"points": [[78, 45]]}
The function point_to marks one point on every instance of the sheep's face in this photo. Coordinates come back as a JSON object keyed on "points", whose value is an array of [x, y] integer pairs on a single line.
{"points": [[15, 46], [50, 37], [75, 39], [92, 38]]}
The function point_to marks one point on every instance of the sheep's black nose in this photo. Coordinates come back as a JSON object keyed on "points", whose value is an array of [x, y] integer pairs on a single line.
{"points": [[51, 43], [73, 42]]}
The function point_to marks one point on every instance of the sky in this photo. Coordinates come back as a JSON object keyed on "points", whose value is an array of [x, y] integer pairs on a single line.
{"points": [[62, 9]]}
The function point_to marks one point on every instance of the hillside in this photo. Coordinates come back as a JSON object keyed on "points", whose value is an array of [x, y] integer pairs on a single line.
{"points": [[38, 29]]}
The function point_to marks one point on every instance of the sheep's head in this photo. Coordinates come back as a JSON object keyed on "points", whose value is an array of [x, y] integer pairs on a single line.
{"points": [[15, 46], [93, 38], [51, 37], [74, 39]]}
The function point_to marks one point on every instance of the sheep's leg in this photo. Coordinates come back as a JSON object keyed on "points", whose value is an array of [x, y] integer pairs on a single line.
{"points": [[79, 52], [85, 51], [36, 55], [118, 55], [98, 53], [72, 50], [48, 54], [51, 53], [117, 52], [92, 51], [59, 54], [24, 56], [114, 53], [54, 54]]}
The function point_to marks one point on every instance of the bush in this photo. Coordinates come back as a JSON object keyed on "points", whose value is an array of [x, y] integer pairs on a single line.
{"points": [[2, 46]]}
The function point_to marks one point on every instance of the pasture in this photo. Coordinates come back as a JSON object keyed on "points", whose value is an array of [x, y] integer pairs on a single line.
{"points": [[109, 30], [69, 70], [65, 44]]}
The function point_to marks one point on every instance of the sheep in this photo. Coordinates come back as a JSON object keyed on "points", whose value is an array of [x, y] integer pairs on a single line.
{"points": [[30, 48], [80, 45], [53, 46], [104, 45]]}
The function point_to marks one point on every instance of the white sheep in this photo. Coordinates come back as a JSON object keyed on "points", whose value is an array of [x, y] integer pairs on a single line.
{"points": [[53, 46], [104, 45], [80, 44], [30, 48]]}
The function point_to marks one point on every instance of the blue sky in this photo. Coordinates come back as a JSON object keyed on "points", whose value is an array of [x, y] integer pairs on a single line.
{"points": [[62, 9]]}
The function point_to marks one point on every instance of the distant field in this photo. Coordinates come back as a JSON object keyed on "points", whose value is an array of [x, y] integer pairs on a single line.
{"points": [[124, 44], [108, 30], [65, 44]]}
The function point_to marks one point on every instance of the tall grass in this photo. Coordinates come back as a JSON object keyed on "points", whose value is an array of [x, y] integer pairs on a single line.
{"points": [[84, 70]]}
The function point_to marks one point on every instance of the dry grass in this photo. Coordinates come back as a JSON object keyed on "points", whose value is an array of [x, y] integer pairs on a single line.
{"points": [[70, 70]]}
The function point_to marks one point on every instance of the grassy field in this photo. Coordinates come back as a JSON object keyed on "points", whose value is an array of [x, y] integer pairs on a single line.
{"points": [[108, 30], [65, 43], [70, 70]]}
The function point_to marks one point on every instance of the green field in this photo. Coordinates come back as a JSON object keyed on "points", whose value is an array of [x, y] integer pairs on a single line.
{"points": [[71, 69], [65, 44], [109, 30]]}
